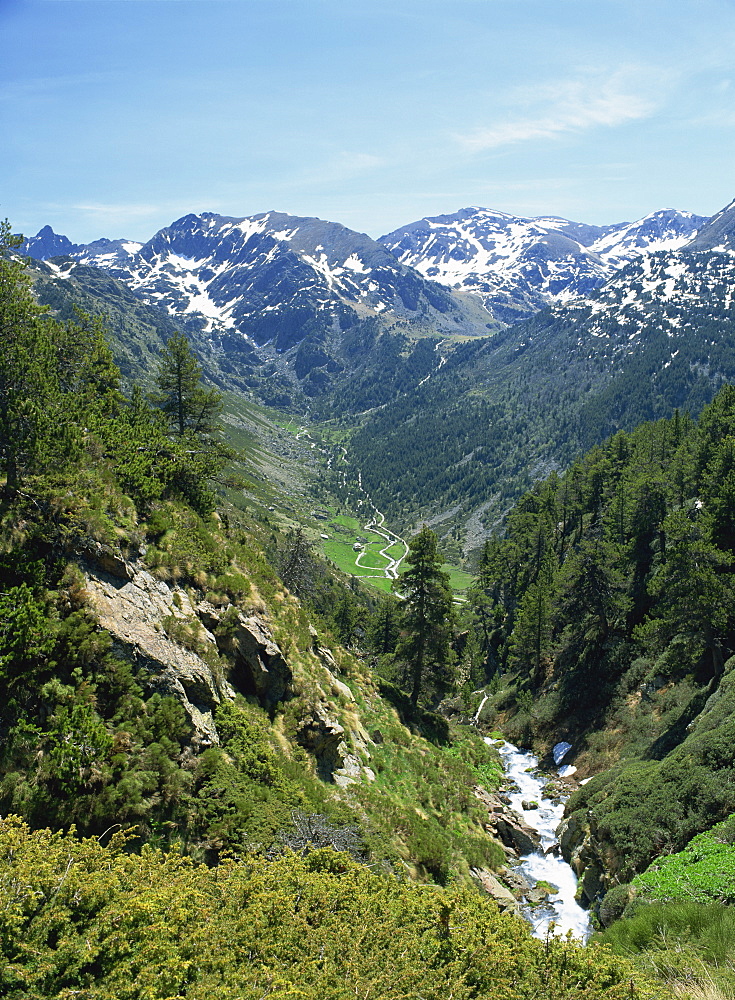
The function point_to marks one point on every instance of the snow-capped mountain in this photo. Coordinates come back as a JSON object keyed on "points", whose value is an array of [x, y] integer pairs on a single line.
{"points": [[718, 233], [517, 266], [269, 276], [274, 277], [46, 243], [676, 299], [504, 410]]}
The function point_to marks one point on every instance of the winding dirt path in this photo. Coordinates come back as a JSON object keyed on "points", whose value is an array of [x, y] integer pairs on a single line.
{"points": [[376, 525]]}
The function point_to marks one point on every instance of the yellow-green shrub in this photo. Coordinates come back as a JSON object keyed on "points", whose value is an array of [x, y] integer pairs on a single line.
{"points": [[95, 923]]}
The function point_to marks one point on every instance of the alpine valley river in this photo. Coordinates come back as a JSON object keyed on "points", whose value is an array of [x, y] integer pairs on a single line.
{"points": [[562, 909]]}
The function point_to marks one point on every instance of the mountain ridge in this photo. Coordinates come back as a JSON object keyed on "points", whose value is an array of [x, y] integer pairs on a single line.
{"points": [[518, 265], [513, 265], [235, 270]]}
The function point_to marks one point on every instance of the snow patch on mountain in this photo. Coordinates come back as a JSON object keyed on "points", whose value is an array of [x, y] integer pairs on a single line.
{"points": [[517, 265], [247, 274]]}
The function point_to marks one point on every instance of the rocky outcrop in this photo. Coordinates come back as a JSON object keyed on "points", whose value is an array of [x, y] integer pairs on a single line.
{"points": [[136, 609], [326, 739], [322, 735], [103, 558], [155, 626], [259, 666], [586, 855], [510, 890], [507, 826]]}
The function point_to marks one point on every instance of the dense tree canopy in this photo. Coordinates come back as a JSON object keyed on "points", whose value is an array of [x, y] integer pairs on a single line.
{"points": [[612, 600]]}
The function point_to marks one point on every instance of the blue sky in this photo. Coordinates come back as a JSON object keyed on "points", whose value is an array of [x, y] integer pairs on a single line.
{"points": [[119, 116]]}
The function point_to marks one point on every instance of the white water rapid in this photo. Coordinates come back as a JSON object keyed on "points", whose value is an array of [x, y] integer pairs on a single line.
{"points": [[562, 909]]}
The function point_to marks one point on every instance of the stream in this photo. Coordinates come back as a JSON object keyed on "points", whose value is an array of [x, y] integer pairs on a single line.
{"points": [[561, 909]]}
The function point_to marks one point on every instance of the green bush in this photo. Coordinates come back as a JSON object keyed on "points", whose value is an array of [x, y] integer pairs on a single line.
{"points": [[703, 872], [96, 922]]}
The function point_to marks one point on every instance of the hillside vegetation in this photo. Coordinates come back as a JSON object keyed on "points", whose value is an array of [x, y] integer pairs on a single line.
{"points": [[611, 598], [502, 412], [97, 922], [246, 814], [249, 781]]}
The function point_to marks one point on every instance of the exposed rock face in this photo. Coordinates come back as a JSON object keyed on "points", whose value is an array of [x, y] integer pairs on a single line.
{"points": [[138, 610], [104, 558], [260, 667], [133, 606], [505, 824], [324, 737], [515, 881], [581, 849]]}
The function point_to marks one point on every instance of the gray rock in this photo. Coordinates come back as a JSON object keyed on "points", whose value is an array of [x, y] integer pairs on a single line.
{"points": [[517, 835], [507, 826], [323, 737], [132, 611], [571, 833], [104, 558], [260, 667], [495, 888], [517, 884], [349, 772], [591, 888]]}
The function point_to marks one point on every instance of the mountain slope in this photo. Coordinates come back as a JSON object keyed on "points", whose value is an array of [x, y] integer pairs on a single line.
{"points": [[290, 308], [719, 233], [503, 411], [516, 265], [268, 276]]}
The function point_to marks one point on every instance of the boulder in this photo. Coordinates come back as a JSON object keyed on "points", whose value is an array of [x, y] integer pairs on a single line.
{"points": [[507, 826], [536, 896], [517, 834], [494, 887], [515, 881]]}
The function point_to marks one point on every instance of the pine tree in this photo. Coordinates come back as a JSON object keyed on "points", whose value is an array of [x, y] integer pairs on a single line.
{"points": [[427, 618], [694, 591], [384, 626], [533, 628], [28, 387], [190, 407]]}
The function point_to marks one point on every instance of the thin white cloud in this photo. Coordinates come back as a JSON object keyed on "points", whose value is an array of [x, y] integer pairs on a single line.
{"points": [[357, 162], [116, 214], [568, 106], [107, 210]]}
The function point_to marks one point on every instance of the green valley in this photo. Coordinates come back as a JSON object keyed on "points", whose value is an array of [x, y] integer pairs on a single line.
{"points": [[227, 673]]}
